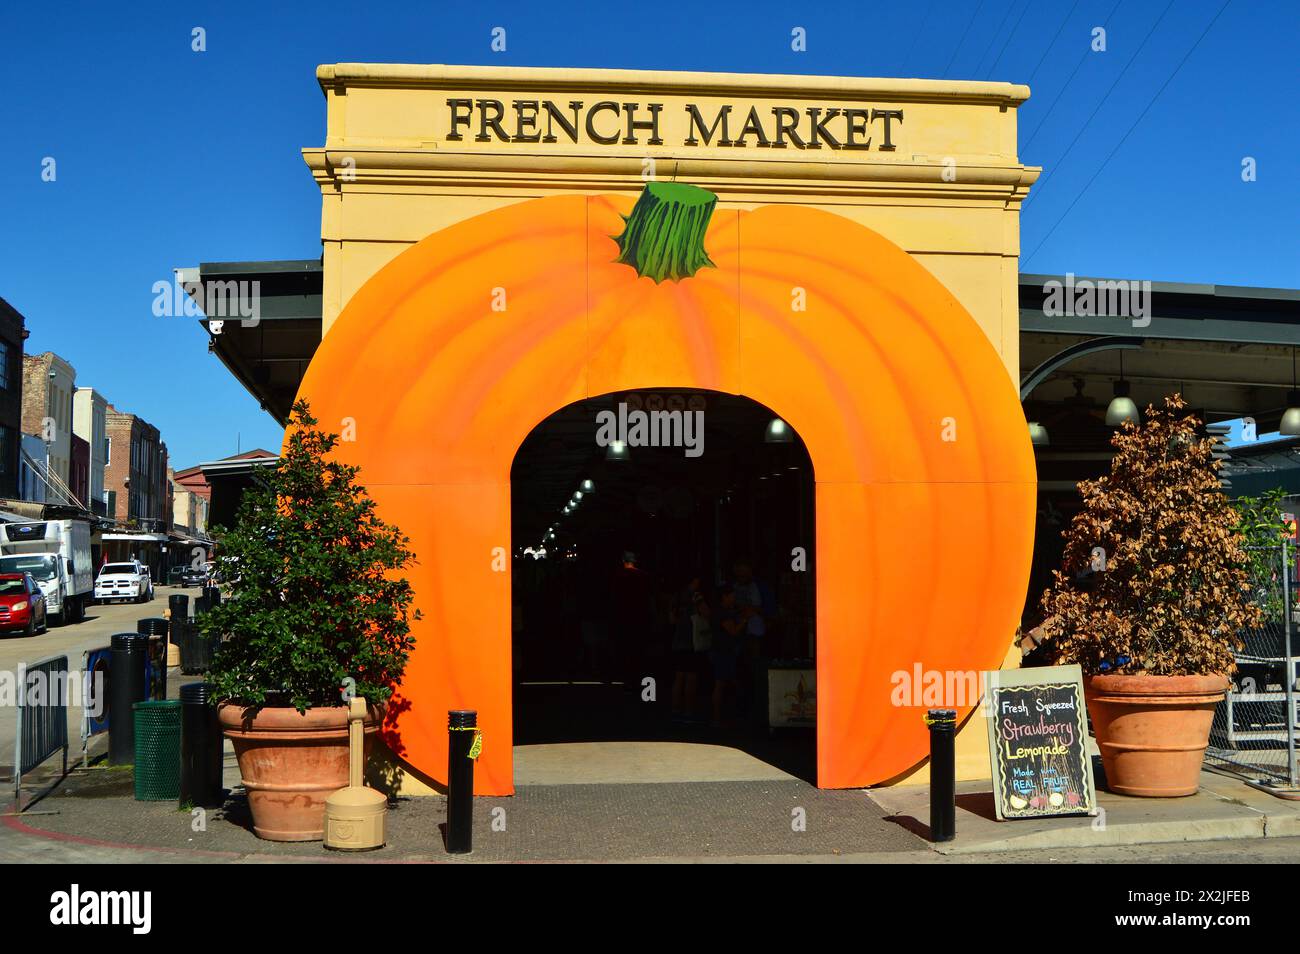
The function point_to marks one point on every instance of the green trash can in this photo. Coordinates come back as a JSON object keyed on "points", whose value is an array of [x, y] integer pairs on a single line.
{"points": [[157, 750]]}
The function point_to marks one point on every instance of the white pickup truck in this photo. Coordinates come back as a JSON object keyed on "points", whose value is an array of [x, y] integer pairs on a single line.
{"points": [[124, 581]]}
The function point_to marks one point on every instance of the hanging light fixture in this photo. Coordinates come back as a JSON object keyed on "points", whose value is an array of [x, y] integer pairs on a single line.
{"points": [[1038, 435], [1121, 406], [617, 450], [587, 486], [1291, 416], [778, 432]]}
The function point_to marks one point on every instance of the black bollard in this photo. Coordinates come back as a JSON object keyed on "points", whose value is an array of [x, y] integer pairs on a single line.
{"points": [[179, 606], [462, 729], [943, 774], [196, 649], [201, 757], [176, 628], [151, 626], [126, 687], [212, 595]]}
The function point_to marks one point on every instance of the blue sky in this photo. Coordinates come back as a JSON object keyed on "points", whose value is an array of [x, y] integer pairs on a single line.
{"points": [[168, 157]]}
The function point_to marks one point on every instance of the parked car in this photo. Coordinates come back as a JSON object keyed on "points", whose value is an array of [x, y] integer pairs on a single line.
{"points": [[123, 581], [174, 575], [194, 576], [22, 604]]}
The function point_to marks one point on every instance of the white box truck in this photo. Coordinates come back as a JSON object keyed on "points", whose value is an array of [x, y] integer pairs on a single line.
{"points": [[57, 555]]}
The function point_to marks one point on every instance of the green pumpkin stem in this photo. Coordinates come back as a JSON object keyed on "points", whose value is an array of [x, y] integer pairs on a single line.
{"points": [[664, 235]]}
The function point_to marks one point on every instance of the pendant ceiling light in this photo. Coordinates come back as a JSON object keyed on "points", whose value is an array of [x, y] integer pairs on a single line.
{"points": [[1121, 406], [587, 486], [617, 450], [1291, 416], [778, 432], [1038, 435]]}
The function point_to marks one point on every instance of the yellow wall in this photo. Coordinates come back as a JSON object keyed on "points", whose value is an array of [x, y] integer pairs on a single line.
{"points": [[949, 192]]}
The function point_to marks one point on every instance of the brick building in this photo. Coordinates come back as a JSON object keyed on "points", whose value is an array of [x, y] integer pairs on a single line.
{"points": [[190, 506], [48, 385], [79, 471], [136, 471]]}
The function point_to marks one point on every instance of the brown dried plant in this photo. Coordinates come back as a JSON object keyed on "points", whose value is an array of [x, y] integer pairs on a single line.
{"points": [[1154, 569]]}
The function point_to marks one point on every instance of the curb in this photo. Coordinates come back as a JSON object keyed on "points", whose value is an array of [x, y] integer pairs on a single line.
{"points": [[1145, 833]]}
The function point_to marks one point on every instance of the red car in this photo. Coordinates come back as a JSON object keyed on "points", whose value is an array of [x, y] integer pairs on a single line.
{"points": [[22, 604]]}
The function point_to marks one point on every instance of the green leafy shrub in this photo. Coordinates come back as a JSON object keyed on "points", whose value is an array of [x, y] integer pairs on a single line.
{"points": [[314, 603], [1262, 527]]}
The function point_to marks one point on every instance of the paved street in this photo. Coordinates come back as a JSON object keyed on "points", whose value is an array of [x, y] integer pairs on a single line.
{"points": [[100, 624]]}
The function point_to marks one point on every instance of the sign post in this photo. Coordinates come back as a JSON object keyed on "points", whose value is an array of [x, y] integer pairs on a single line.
{"points": [[1038, 743]]}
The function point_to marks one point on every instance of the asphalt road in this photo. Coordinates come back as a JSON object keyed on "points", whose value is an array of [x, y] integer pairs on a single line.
{"points": [[94, 631]]}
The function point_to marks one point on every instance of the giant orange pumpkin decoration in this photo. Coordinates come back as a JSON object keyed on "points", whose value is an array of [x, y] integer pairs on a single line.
{"points": [[446, 359]]}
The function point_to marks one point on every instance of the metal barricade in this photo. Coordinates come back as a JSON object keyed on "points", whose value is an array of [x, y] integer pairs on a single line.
{"points": [[1254, 729], [42, 726]]}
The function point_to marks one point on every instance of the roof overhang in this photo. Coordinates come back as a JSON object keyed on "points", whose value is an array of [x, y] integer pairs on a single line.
{"points": [[1228, 349], [269, 340], [1230, 345], [240, 467]]}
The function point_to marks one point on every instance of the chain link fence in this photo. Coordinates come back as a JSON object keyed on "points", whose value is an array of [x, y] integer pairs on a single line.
{"points": [[1254, 730]]}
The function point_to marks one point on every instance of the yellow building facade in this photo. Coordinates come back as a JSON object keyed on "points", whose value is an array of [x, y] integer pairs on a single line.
{"points": [[930, 165]]}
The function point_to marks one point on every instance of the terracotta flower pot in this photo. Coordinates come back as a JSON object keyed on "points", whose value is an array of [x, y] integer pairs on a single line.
{"points": [[291, 763], [1153, 730]]}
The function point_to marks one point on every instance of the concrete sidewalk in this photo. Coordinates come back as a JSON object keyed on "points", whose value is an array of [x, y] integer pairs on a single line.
{"points": [[1225, 808], [572, 822], [92, 816]]}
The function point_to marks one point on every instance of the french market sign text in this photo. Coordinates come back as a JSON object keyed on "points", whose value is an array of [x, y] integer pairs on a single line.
{"points": [[608, 122]]}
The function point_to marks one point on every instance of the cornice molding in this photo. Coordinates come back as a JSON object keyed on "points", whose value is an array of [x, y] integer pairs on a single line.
{"points": [[339, 76], [338, 170]]}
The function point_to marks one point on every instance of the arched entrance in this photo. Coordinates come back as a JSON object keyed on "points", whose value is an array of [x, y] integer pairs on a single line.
{"points": [[443, 362], [663, 591]]}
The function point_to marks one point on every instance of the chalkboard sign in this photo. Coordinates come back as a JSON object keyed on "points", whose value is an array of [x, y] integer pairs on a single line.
{"points": [[1038, 743]]}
